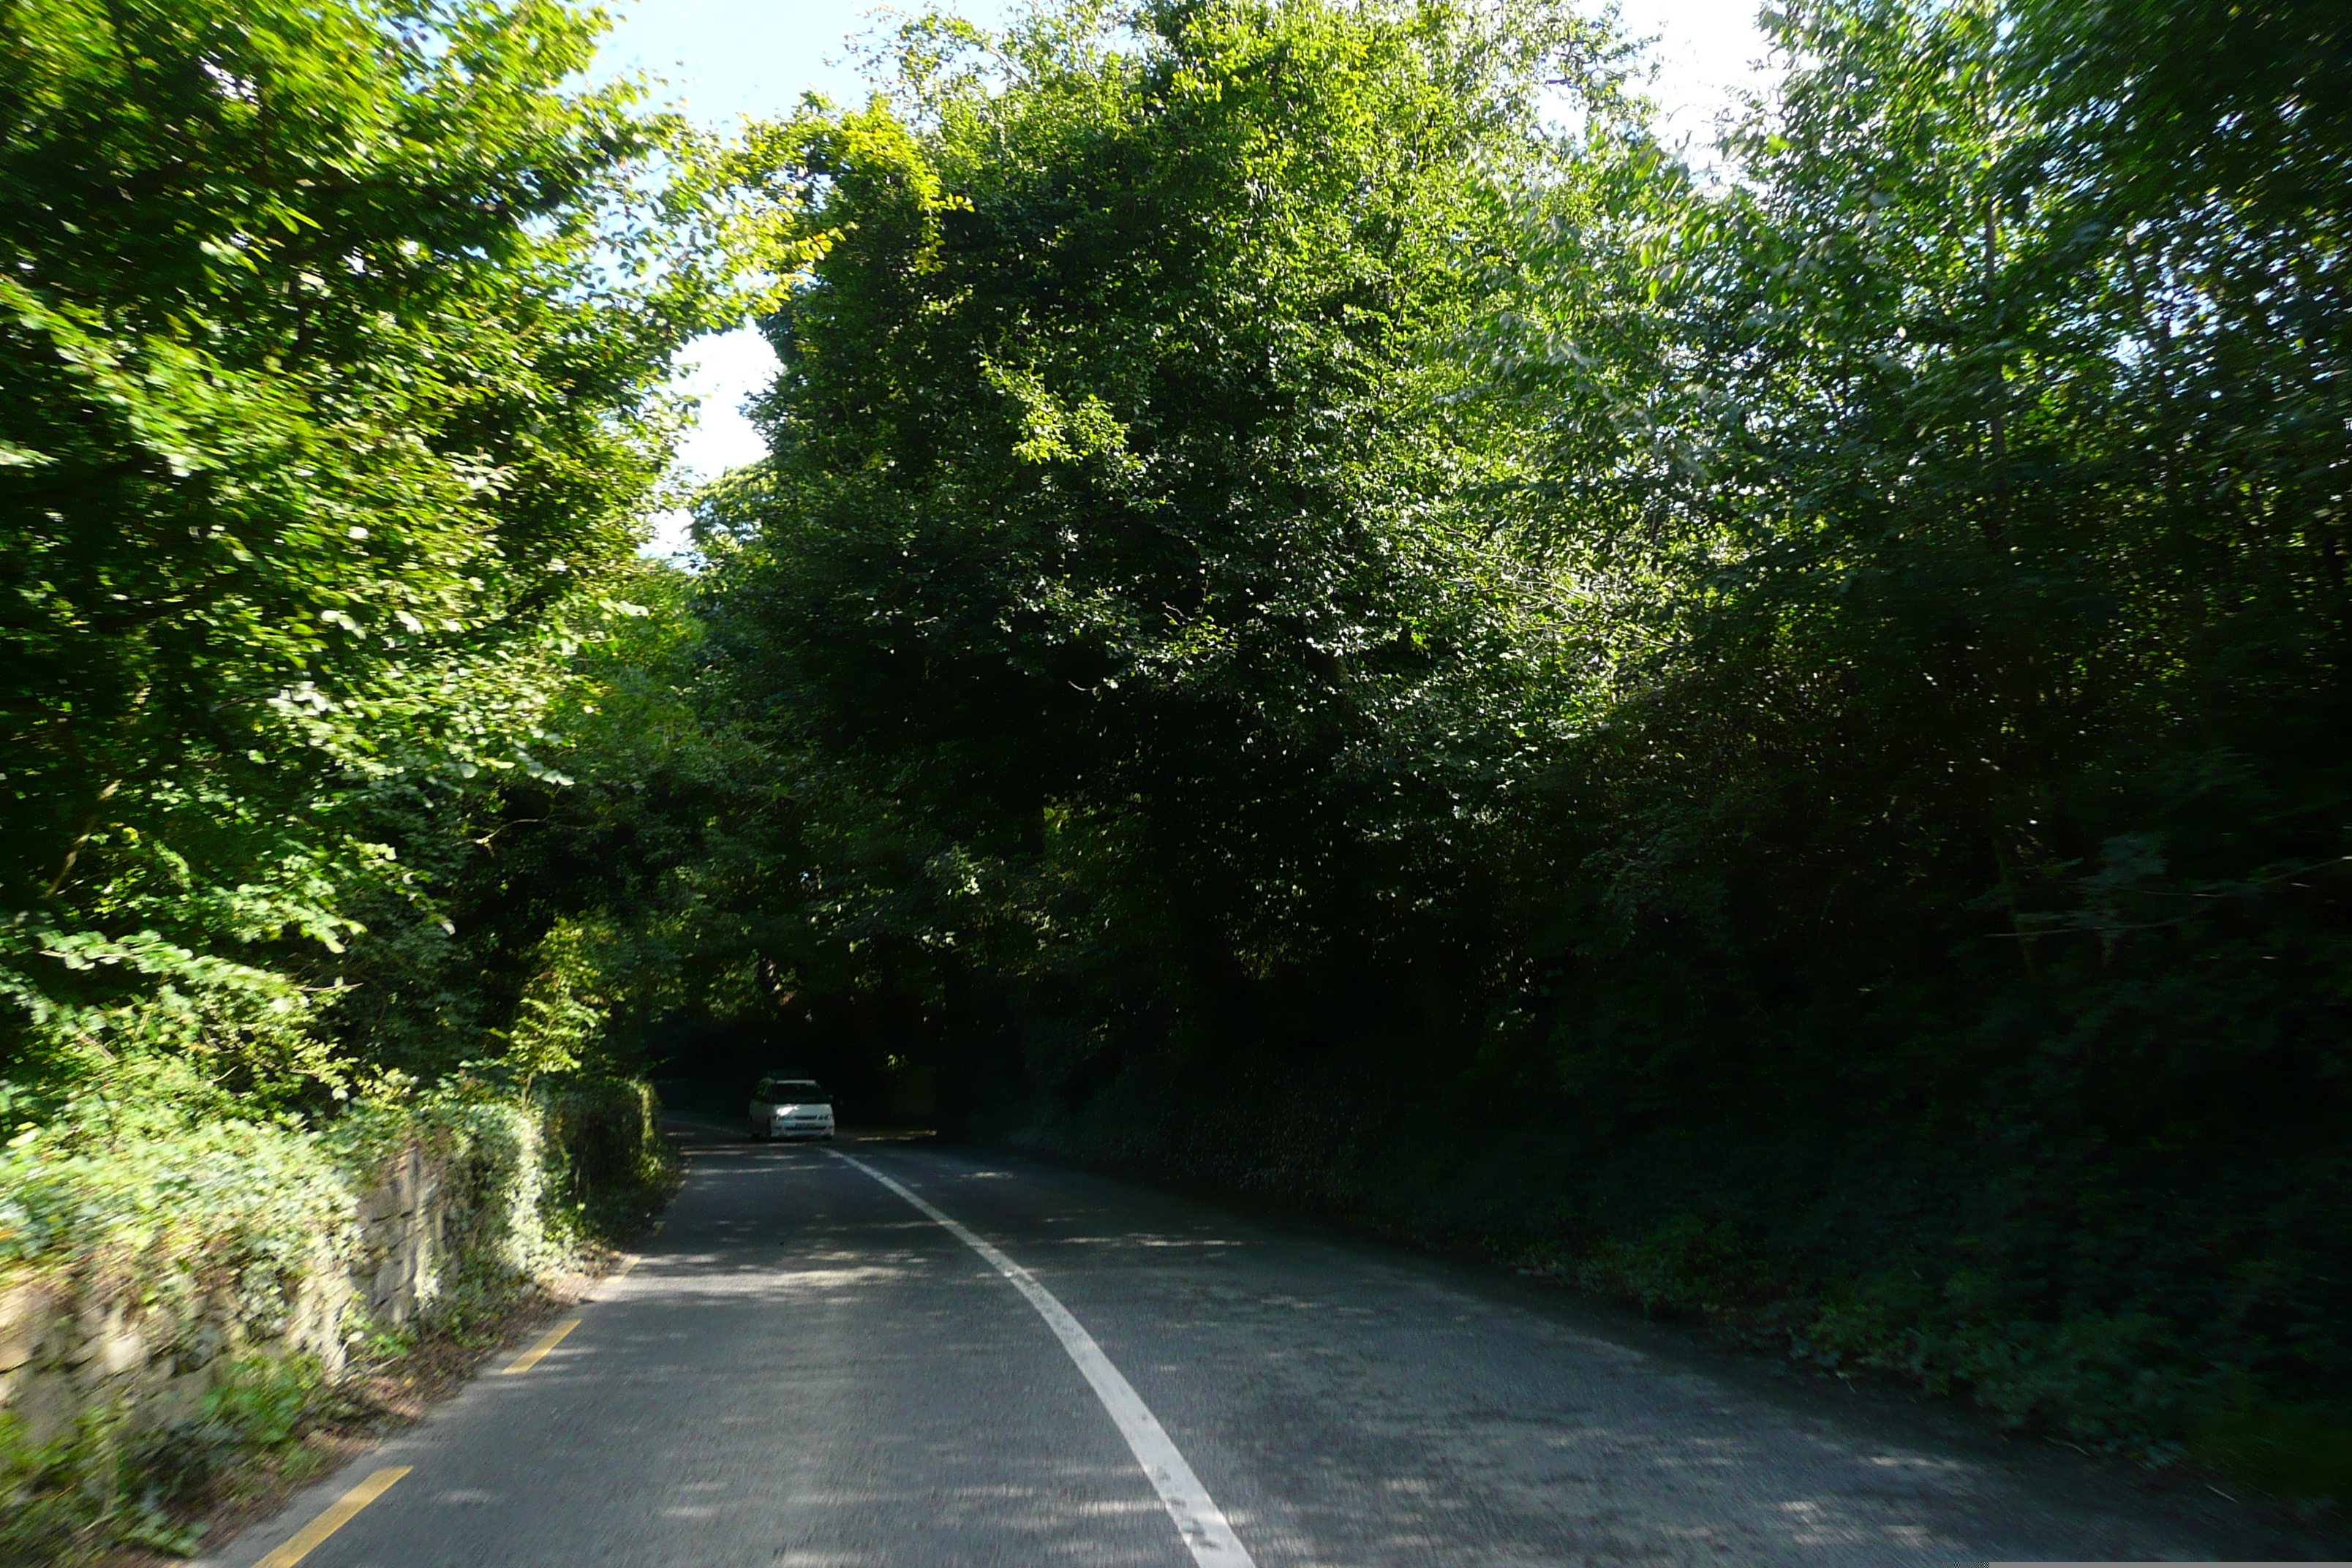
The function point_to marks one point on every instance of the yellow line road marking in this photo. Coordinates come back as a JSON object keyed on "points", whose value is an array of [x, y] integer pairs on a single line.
{"points": [[603, 1290], [547, 1341], [333, 1520]]}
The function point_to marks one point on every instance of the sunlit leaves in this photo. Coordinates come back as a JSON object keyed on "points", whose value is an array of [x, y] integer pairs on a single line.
{"points": [[332, 348]]}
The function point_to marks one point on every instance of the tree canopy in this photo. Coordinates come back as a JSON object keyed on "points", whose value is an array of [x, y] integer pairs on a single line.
{"points": [[1323, 611], [331, 387]]}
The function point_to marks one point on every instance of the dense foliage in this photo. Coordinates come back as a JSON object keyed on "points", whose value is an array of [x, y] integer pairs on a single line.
{"points": [[332, 371], [1323, 612], [1309, 590], [1129, 551], [334, 344]]}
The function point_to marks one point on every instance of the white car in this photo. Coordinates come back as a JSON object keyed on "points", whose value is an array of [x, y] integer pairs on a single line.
{"points": [[790, 1108]]}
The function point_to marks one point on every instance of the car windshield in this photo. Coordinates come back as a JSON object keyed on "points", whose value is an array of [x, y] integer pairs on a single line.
{"points": [[798, 1094]]}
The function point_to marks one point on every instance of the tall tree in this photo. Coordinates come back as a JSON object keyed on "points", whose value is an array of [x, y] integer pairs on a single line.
{"points": [[1117, 525], [331, 365]]}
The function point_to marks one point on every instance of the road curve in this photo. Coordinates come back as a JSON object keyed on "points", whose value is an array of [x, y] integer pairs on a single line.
{"points": [[808, 1371]]}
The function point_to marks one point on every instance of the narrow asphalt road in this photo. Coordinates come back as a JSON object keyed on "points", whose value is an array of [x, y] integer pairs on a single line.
{"points": [[807, 1369]]}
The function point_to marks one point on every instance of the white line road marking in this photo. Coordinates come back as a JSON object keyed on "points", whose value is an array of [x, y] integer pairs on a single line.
{"points": [[1197, 1518]]}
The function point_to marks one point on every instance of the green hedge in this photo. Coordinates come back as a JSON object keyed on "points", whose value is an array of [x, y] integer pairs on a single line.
{"points": [[136, 1201], [1840, 1254]]}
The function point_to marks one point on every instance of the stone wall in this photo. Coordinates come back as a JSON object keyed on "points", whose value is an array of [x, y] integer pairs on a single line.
{"points": [[145, 1350], [134, 1278], [170, 1291], [404, 1239]]}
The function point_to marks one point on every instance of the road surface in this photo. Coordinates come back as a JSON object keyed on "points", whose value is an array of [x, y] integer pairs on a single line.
{"points": [[808, 1369]]}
